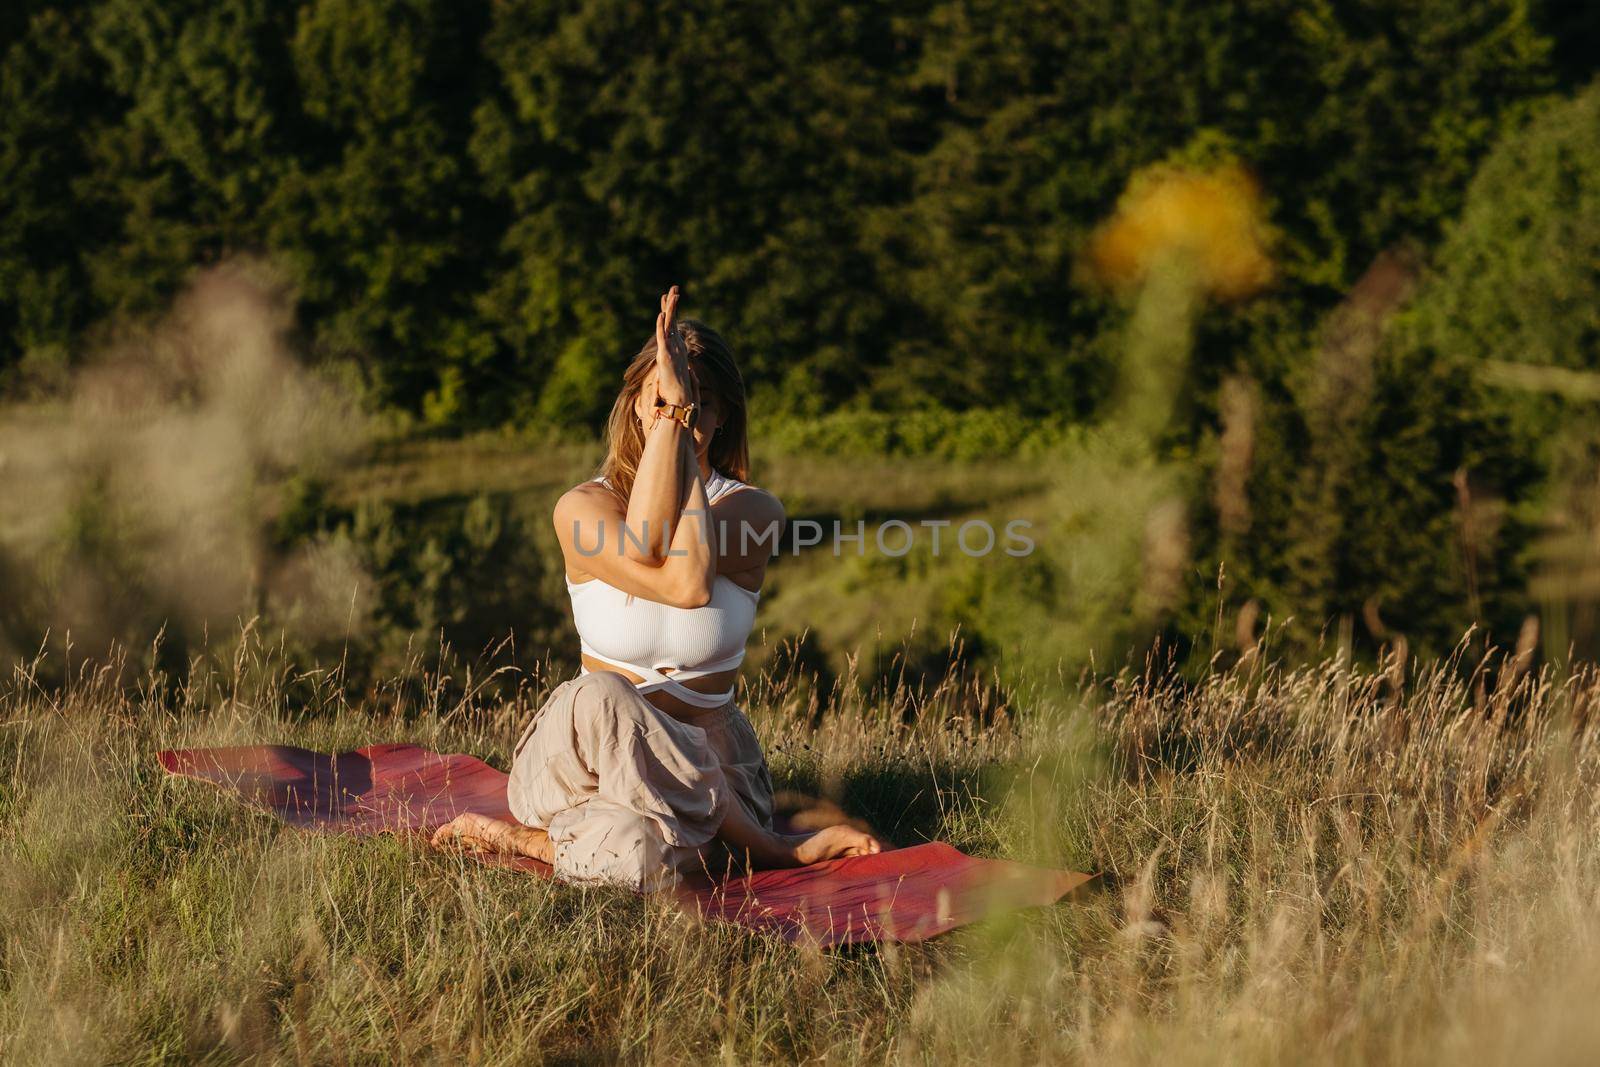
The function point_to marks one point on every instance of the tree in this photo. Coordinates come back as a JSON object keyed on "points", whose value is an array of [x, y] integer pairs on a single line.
{"points": [[201, 142], [1410, 489], [724, 145], [52, 105], [1363, 121], [1519, 272], [379, 209]]}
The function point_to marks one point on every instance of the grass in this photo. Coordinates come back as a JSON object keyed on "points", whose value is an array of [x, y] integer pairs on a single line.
{"points": [[1328, 864]]}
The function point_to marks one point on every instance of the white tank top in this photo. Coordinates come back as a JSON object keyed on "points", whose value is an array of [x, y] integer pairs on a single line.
{"points": [[645, 637]]}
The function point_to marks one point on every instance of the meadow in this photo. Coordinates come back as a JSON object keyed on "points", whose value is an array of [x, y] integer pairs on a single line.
{"points": [[1276, 321], [1329, 864], [1348, 851]]}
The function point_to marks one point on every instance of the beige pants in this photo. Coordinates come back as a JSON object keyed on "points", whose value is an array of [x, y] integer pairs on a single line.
{"points": [[628, 794]]}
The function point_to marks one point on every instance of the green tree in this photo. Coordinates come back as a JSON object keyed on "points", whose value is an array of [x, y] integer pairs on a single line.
{"points": [[1516, 302], [1519, 272], [1406, 479], [51, 105], [1363, 121], [379, 209], [201, 143], [724, 145]]}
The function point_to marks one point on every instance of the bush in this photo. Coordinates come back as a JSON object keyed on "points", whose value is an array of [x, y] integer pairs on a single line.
{"points": [[979, 433]]}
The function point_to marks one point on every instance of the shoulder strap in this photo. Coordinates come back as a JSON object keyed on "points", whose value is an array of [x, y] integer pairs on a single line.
{"points": [[718, 487], [721, 485]]}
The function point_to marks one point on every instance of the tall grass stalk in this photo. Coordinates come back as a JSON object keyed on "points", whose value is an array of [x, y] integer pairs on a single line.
{"points": [[1327, 864]]}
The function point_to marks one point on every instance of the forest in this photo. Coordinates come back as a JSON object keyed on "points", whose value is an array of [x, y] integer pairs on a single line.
{"points": [[895, 211]]}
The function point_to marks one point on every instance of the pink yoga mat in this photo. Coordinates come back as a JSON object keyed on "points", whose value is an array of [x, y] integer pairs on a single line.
{"points": [[905, 894]]}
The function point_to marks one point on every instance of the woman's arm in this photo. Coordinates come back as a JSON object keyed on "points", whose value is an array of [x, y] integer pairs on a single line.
{"points": [[764, 848], [589, 524], [767, 850], [749, 524], [660, 490], [661, 485]]}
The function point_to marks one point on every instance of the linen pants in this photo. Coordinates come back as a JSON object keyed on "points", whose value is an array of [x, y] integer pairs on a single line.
{"points": [[628, 794]]}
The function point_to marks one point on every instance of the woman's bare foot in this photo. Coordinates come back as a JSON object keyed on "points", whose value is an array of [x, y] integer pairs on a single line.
{"points": [[836, 842], [481, 833]]}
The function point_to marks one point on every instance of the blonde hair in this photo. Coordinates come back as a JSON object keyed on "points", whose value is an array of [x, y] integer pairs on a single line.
{"points": [[717, 374]]}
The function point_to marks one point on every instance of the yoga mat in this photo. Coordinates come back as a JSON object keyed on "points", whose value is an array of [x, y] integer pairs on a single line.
{"points": [[905, 894]]}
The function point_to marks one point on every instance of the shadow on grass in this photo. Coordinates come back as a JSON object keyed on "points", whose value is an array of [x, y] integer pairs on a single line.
{"points": [[906, 804]]}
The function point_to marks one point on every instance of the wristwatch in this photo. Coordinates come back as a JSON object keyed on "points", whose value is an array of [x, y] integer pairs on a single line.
{"points": [[687, 414]]}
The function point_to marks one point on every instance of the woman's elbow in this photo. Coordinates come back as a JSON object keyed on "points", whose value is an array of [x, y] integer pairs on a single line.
{"points": [[692, 595], [641, 554]]}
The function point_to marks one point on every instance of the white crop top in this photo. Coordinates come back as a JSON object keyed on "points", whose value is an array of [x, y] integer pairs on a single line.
{"points": [[643, 636]]}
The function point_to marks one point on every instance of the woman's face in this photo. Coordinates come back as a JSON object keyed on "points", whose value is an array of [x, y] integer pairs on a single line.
{"points": [[710, 410]]}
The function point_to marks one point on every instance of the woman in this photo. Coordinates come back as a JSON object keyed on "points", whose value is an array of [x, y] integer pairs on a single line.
{"points": [[642, 768]]}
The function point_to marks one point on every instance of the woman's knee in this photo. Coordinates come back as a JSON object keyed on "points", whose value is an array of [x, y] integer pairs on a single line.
{"points": [[604, 695], [602, 687], [618, 847]]}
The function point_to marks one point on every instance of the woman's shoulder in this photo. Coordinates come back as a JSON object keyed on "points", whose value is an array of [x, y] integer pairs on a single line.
{"points": [[748, 498], [586, 497], [600, 486]]}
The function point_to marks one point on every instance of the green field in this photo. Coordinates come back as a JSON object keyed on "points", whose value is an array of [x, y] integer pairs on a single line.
{"points": [[1275, 324], [1319, 866]]}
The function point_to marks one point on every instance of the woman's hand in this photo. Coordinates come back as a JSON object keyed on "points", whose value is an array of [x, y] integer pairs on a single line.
{"points": [[667, 485], [674, 381]]}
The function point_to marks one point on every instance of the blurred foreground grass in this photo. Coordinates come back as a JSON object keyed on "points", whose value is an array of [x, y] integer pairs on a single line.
{"points": [[1320, 865]]}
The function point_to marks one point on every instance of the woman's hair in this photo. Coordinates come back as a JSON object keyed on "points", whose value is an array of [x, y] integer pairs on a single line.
{"points": [[718, 375]]}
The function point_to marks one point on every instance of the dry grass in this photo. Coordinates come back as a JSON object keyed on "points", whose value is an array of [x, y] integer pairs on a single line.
{"points": [[1328, 864]]}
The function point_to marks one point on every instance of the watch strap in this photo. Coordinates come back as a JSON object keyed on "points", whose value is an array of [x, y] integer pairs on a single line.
{"points": [[680, 413]]}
